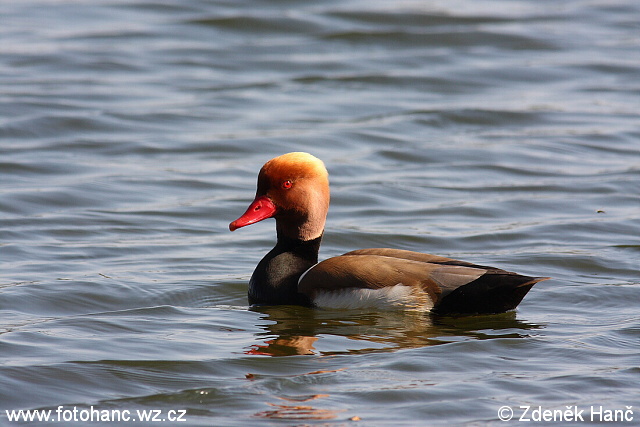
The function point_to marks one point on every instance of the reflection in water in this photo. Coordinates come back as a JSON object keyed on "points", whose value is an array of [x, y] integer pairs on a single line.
{"points": [[292, 330], [285, 346], [294, 410]]}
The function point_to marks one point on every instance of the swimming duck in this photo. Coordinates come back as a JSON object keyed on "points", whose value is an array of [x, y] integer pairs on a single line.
{"points": [[294, 189]]}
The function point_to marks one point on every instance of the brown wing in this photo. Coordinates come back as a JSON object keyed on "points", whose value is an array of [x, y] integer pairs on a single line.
{"points": [[376, 271], [418, 256], [402, 254], [454, 286]]}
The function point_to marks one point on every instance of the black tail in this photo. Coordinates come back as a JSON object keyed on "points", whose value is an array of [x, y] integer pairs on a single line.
{"points": [[494, 292]]}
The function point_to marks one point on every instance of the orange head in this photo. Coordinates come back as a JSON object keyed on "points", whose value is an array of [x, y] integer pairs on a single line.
{"points": [[293, 189]]}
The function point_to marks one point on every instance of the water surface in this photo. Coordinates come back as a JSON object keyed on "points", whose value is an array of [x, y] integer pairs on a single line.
{"points": [[498, 132]]}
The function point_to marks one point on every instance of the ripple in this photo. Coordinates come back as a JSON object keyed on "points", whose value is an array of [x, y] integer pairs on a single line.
{"points": [[132, 132]]}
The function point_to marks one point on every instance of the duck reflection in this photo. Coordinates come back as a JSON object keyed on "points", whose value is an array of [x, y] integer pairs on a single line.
{"points": [[299, 409], [295, 330]]}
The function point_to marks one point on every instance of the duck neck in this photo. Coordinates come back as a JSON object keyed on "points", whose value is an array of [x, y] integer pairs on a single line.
{"points": [[275, 279]]}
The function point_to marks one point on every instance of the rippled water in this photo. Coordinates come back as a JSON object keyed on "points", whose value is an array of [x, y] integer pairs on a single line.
{"points": [[499, 132]]}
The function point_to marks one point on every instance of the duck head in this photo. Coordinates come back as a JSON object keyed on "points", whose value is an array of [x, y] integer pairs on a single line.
{"points": [[293, 189]]}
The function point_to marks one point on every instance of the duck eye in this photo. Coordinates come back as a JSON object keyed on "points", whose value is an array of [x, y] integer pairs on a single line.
{"points": [[287, 184]]}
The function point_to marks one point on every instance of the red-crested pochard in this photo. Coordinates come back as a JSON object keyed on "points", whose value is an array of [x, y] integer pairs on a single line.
{"points": [[294, 189]]}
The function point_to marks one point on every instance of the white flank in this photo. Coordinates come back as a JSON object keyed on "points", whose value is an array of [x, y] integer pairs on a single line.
{"points": [[391, 297]]}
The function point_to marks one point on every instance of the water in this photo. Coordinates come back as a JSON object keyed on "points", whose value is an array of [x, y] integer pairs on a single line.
{"points": [[498, 132]]}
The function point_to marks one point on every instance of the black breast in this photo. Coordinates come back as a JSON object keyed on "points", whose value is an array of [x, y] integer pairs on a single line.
{"points": [[275, 279]]}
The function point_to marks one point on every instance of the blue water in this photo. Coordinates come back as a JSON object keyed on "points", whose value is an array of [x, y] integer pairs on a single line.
{"points": [[504, 133]]}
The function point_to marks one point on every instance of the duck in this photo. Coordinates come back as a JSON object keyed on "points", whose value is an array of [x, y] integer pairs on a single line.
{"points": [[293, 189]]}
